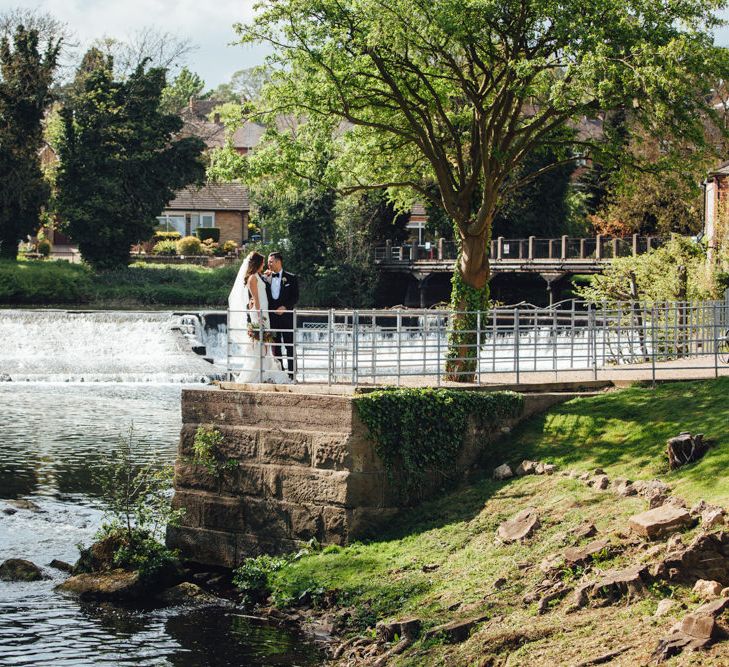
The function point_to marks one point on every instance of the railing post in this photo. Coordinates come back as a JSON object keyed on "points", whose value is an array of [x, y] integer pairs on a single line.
{"points": [[521, 248], [330, 328], [582, 248], [500, 247], [531, 247], [653, 344], [440, 248], [355, 348], [413, 250], [563, 253], [635, 245], [648, 242], [388, 250], [399, 345], [598, 247], [400, 253], [478, 347], [293, 345], [516, 344], [615, 247]]}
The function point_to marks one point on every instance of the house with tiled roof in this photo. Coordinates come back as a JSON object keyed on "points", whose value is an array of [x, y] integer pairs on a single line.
{"points": [[222, 205], [716, 191]]}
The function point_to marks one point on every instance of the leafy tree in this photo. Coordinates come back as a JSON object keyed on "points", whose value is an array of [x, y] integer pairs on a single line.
{"points": [[540, 207], [244, 85], [176, 96], [462, 92], [120, 163], [27, 75], [655, 276]]}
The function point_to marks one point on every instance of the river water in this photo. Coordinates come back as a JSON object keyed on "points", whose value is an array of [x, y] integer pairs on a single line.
{"points": [[53, 436]]}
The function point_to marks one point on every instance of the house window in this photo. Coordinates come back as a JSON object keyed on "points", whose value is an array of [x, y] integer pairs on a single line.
{"points": [[172, 223], [200, 220]]}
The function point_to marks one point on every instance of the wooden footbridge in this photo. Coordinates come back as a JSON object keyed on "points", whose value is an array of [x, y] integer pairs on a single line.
{"points": [[551, 258]]}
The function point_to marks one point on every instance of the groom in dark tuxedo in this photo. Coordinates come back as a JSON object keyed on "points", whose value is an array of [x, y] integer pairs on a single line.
{"points": [[283, 294]]}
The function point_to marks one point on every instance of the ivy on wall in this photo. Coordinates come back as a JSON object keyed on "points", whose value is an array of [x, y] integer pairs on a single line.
{"points": [[419, 431]]}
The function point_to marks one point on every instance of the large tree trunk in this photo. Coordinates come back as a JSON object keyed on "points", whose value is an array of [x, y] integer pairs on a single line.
{"points": [[469, 297]]}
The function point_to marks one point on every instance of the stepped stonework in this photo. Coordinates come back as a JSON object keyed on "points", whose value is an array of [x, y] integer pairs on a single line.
{"points": [[305, 469]]}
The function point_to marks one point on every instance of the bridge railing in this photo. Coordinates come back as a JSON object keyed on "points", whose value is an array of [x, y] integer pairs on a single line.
{"points": [[564, 248], [509, 343]]}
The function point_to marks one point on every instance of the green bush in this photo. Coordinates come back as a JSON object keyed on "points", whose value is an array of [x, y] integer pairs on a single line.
{"points": [[252, 577], [419, 431], [204, 233], [189, 245], [230, 247], [44, 283], [44, 247], [166, 236], [166, 247]]}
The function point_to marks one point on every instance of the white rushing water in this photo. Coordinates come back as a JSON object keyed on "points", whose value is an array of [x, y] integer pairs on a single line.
{"points": [[116, 346]]}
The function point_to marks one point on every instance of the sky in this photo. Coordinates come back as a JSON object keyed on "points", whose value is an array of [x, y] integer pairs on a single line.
{"points": [[208, 25]]}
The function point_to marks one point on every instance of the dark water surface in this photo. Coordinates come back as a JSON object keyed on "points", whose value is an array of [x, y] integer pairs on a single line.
{"points": [[52, 437]]}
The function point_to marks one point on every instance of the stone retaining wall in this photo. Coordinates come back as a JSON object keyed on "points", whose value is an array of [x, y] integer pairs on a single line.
{"points": [[306, 469]]}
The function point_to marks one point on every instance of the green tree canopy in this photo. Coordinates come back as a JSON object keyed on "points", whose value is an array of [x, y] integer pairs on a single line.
{"points": [[120, 163], [176, 96], [461, 92], [27, 75]]}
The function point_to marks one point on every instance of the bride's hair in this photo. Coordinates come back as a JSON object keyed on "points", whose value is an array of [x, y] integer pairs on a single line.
{"points": [[255, 262]]}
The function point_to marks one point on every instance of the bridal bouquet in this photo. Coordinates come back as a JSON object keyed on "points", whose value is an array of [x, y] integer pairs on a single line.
{"points": [[254, 333]]}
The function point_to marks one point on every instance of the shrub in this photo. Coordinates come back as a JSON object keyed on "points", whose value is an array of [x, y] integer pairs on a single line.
{"points": [[168, 247], [44, 247], [189, 245], [230, 247], [204, 233], [139, 509], [44, 283], [166, 236], [252, 577]]}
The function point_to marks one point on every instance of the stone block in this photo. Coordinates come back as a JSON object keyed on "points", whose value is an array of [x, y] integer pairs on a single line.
{"points": [[250, 480], [298, 485], [209, 547], [660, 521], [265, 517], [335, 525], [192, 503], [239, 443], [331, 452], [285, 447], [249, 545], [368, 522], [191, 476], [306, 521], [370, 490], [223, 513]]}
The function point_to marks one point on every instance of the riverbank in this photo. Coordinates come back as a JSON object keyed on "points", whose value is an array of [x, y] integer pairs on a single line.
{"points": [[36, 283], [475, 598]]}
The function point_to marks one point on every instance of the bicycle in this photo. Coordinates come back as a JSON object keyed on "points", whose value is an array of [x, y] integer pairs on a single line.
{"points": [[723, 347]]}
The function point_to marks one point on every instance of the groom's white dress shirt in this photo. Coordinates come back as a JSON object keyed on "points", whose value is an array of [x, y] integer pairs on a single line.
{"points": [[276, 285]]}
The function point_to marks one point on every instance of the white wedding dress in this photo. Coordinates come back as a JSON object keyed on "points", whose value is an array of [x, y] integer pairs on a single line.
{"points": [[251, 360]]}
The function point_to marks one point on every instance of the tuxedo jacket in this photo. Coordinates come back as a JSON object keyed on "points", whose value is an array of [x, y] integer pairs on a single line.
{"points": [[288, 295]]}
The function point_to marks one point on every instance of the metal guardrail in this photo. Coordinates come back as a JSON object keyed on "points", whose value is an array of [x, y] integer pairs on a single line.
{"points": [[391, 346], [564, 248]]}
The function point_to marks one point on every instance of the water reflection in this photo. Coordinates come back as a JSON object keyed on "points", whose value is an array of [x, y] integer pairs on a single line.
{"points": [[52, 439]]}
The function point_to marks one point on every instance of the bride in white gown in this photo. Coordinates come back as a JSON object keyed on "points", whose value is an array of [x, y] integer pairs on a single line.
{"points": [[248, 322]]}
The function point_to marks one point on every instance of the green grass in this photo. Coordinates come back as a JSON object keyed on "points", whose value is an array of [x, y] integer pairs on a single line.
{"points": [[625, 433], [29, 283]]}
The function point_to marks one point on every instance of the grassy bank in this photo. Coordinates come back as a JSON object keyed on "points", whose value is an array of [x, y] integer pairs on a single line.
{"points": [[35, 283], [441, 562]]}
